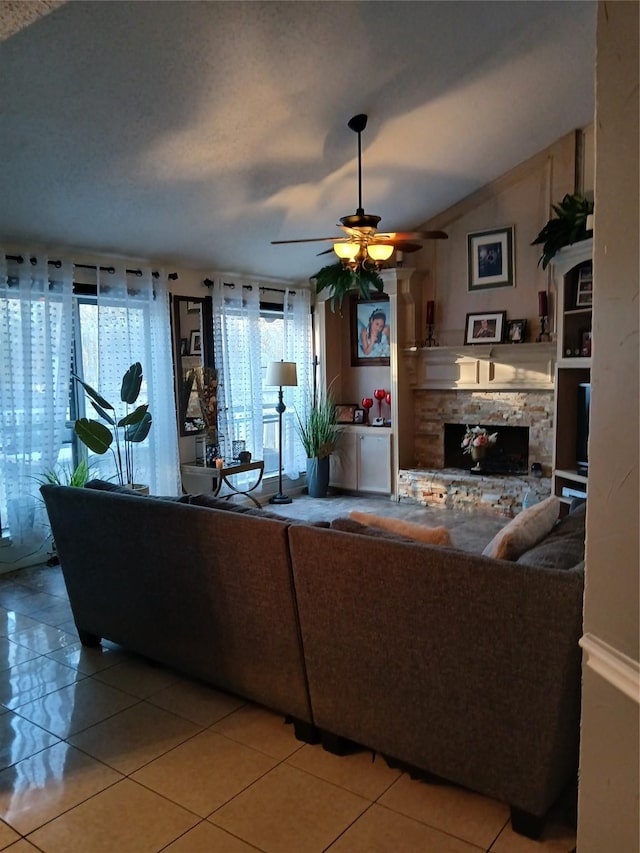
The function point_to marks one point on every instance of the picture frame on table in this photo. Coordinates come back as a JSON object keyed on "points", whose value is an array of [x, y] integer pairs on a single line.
{"points": [[359, 416], [490, 258], [487, 328], [516, 331], [370, 331], [195, 343], [584, 291], [345, 413]]}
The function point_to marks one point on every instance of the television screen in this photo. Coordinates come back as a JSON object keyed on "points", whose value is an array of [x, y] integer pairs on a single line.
{"points": [[582, 428]]}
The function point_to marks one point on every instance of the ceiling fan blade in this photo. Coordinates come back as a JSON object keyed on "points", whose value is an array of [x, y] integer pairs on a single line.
{"points": [[326, 252], [414, 235], [308, 240], [404, 246]]}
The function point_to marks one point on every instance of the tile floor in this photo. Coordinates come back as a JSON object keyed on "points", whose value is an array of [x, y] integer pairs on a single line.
{"points": [[102, 751]]}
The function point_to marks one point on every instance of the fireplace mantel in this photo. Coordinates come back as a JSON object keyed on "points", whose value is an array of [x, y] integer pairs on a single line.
{"points": [[482, 367]]}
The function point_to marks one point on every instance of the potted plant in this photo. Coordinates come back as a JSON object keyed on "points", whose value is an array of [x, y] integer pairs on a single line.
{"points": [[569, 227], [122, 432], [340, 280], [319, 435]]}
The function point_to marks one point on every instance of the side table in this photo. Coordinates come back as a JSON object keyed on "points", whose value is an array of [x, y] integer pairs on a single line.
{"points": [[220, 477]]}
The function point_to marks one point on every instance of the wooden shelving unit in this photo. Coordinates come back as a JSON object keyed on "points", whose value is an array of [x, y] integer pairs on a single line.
{"points": [[573, 275]]}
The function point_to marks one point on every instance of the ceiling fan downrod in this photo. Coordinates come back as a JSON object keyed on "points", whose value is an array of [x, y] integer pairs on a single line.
{"points": [[360, 219]]}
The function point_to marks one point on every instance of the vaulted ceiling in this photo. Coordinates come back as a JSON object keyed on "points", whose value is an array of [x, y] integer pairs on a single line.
{"points": [[198, 132]]}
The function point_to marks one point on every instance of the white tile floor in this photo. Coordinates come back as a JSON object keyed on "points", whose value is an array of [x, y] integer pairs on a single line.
{"points": [[103, 752]]}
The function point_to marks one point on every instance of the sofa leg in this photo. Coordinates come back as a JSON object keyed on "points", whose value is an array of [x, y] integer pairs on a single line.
{"points": [[337, 745], [306, 732], [88, 639], [526, 824]]}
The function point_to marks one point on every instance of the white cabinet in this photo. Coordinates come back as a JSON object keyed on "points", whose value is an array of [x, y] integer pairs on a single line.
{"points": [[363, 461]]}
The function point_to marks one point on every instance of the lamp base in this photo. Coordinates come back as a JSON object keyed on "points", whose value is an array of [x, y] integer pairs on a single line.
{"points": [[280, 499]]}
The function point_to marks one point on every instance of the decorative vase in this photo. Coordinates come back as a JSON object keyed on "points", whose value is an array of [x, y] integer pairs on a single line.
{"points": [[478, 454], [318, 477]]}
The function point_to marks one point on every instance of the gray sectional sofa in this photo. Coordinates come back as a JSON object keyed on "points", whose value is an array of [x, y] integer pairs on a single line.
{"points": [[445, 662]]}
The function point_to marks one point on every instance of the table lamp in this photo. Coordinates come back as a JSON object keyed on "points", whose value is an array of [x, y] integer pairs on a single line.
{"points": [[283, 374]]}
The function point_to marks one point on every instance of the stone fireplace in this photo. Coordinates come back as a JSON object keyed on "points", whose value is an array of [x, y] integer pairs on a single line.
{"points": [[507, 389]]}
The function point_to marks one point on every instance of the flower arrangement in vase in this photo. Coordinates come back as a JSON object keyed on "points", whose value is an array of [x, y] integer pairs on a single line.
{"points": [[477, 441]]}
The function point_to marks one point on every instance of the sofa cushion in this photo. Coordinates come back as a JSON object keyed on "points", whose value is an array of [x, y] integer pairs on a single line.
{"points": [[348, 525], [407, 529], [106, 486], [563, 548], [524, 531]]}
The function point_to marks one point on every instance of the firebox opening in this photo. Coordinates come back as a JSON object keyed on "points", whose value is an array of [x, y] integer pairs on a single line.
{"points": [[509, 455]]}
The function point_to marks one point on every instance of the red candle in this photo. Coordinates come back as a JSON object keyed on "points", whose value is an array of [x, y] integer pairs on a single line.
{"points": [[543, 306], [431, 306]]}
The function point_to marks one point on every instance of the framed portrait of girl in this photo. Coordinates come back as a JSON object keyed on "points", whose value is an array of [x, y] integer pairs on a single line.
{"points": [[370, 331]]}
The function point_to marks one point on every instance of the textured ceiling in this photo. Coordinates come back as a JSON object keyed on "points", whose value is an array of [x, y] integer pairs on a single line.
{"points": [[200, 131]]}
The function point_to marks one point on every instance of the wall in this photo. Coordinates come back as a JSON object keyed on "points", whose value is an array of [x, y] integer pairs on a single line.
{"points": [[521, 198], [609, 786]]}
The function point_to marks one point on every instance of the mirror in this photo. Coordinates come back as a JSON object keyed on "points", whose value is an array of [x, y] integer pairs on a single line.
{"points": [[193, 347]]}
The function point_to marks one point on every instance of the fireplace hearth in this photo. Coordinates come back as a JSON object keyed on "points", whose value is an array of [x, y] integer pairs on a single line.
{"points": [[508, 456]]}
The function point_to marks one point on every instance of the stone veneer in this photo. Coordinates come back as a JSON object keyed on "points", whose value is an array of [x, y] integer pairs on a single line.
{"points": [[455, 489], [533, 409], [431, 484]]}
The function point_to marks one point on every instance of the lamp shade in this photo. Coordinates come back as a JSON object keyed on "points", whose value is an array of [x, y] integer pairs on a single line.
{"points": [[281, 373], [346, 251], [379, 251]]}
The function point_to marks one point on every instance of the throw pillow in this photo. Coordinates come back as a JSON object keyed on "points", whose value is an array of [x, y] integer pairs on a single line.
{"points": [[418, 532], [524, 531], [563, 548]]}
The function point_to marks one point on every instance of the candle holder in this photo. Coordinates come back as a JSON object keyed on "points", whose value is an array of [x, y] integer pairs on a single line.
{"points": [[544, 335], [430, 341]]}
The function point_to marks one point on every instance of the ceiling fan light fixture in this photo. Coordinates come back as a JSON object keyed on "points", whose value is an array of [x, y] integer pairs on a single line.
{"points": [[379, 251], [346, 251]]}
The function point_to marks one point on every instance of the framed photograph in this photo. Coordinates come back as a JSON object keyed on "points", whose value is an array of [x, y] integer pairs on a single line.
{"points": [[490, 258], [345, 413], [195, 344], [358, 416], [584, 295], [485, 328], [516, 331], [585, 343], [370, 331], [184, 349]]}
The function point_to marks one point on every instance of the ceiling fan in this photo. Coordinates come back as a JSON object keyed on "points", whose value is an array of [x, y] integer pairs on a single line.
{"points": [[362, 242]]}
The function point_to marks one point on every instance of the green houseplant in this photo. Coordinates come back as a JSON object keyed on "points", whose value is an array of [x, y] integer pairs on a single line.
{"points": [[340, 280], [122, 432], [319, 434], [569, 226]]}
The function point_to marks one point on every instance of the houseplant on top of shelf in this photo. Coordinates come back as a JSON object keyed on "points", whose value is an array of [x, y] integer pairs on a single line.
{"points": [[569, 227], [124, 431], [319, 434]]}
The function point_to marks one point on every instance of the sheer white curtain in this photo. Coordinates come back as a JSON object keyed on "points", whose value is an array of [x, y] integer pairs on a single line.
{"points": [[296, 347], [132, 323], [35, 360], [237, 348]]}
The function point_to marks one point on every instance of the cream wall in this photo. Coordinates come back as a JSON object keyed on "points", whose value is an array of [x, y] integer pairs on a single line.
{"points": [[609, 761], [521, 198]]}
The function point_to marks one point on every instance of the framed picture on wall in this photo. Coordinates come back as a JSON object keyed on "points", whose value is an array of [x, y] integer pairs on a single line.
{"points": [[370, 331], [195, 343], [485, 328], [490, 258]]}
